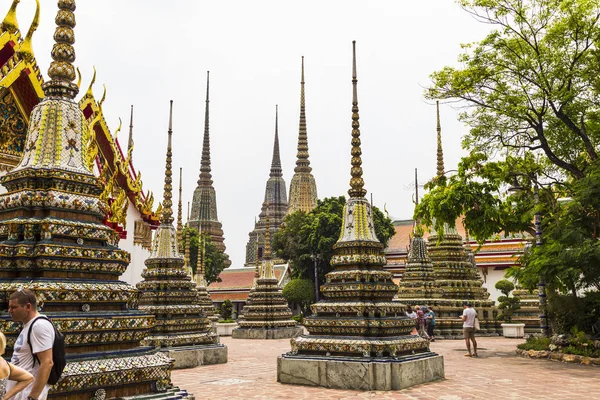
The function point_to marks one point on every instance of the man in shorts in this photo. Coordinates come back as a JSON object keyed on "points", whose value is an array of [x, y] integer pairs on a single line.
{"points": [[468, 317]]}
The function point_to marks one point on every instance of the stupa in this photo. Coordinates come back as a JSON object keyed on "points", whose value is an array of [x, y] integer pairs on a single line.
{"points": [[204, 300], [456, 274], [419, 285], [359, 338], [303, 188], [275, 200], [53, 241], [266, 314], [204, 218], [169, 292], [529, 313]]}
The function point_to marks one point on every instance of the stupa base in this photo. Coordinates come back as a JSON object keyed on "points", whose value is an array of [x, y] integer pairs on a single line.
{"points": [[193, 356], [172, 393], [351, 374], [267, 333]]}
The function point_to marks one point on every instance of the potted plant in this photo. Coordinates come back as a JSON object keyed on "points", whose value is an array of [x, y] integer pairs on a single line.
{"points": [[225, 324], [508, 305]]}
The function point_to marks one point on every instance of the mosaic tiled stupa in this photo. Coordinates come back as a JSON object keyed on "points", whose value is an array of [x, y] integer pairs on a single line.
{"points": [[456, 274], [275, 200], [359, 338], [170, 293], [53, 241], [203, 217], [419, 285], [303, 188], [266, 314], [204, 300], [529, 313]]}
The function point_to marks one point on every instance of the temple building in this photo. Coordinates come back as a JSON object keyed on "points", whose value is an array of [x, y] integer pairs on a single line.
{"points": [[303, 188], [266, 314], [359, 339], [170, 293], [203, 217], [55, 238], [275, 200], [130, 207]]}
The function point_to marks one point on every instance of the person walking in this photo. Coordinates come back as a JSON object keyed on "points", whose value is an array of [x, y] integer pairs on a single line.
{"points": [[8, 372], [430, 322], [34, 356], [421, 322], [468, 317], [412, 315]]}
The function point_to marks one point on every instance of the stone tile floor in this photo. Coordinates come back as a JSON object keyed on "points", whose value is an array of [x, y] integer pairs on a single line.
{"points": [[251, 373]]}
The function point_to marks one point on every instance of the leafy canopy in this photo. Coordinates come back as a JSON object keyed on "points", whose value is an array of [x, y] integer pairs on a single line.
{"points": [[214, 259]]}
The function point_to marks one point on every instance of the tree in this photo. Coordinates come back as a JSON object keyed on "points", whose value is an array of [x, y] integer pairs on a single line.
{"points": [[530, 92], [507, 304], [307, 234], [226, 310], [300, 292], [214, 261]]}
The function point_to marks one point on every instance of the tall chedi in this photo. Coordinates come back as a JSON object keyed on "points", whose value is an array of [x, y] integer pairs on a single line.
{"points": [[266, 314], [419, 285], [458, 278], [204, 217], [359, 338], [53, 241], [170, 293], [303, 188], [275, 200]]}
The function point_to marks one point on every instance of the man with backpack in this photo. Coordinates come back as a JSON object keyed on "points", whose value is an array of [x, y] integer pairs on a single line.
{"points": [[32, 350]]}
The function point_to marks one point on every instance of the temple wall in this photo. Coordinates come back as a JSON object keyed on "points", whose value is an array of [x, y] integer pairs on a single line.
{"points": [[489, 282], [133, 274]]}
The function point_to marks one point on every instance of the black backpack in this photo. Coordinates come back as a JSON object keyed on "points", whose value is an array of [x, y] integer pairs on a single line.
{"points": [[58, 352]]}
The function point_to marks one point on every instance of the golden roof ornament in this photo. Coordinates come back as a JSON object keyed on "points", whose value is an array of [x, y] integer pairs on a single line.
{"points": [[356, 182], [10, 23], [26, 48]]}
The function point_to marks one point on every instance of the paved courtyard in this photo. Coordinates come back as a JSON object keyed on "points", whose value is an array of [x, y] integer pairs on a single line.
{"points": [[498, 373]]}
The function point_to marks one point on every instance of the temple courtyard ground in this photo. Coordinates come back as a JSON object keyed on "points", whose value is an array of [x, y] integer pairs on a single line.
{"points": [[251, 373]]}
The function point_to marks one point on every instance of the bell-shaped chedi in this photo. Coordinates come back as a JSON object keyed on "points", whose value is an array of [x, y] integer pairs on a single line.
{"points": [[418, 285], [359, 338], [204, 300], [170, 293], [266, 314], [53, 241]]}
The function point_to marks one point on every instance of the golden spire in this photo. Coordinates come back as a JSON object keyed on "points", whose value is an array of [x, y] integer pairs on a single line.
{"points": [[179, 216], [302, 162], [200, 273], [10, 23], [356, 182], [267, 250], [188, 213], [26, 49], [166, 217], [61, 71], [130, 142], [257, 266], [186, 254], [440, 152], [276, 162], [89, 91], [205, 161]]}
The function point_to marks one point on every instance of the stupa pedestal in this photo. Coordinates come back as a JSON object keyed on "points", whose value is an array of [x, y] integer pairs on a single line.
{"points": [[529, 313], [359, 339]]}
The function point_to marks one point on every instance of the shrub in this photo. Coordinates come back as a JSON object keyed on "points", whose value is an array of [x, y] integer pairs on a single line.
{"points": [[298, 318], [566, 312], [507, 304], [226, 310], [301, 292], [535, 343]]}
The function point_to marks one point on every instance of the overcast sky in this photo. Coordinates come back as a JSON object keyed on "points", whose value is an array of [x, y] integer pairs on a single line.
{"points": [[148, 52]]}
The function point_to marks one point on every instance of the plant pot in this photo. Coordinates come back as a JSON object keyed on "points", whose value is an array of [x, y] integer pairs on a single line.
{"points": [[225, 328], [513, 330]]}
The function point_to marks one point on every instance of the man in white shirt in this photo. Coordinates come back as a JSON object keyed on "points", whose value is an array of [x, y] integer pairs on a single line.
{"points": [[22, 307], [468, 317]]}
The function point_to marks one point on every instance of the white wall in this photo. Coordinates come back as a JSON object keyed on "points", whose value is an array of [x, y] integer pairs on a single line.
{"points": [[489, 283], [133, 274]]}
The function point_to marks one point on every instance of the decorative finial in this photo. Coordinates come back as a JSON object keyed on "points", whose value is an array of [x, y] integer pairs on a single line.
{"points": [[166, 217], [440, 152], [188, 213], [302, 162], [205, 174], [356, 182], [130, 142], [257, 266], [61, 71], [118, 128], [276, 163], [267, 250], [26, 48], [179, 214], [89, 92], [10, 23]]}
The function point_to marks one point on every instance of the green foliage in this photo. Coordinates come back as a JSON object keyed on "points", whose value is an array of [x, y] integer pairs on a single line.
{"points": [[215, 260], [226, 310], [530, 91], [535, 343], [567, 312], [306, 234], [580, 344], [508, 305], [298, 318], [225, 321], [301, 292]]}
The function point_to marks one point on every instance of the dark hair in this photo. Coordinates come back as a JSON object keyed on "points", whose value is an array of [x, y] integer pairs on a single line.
{"points": [[24, 296], [466, 303]]}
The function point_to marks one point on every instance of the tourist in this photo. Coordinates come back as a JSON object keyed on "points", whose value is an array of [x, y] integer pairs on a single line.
{"points": [[421, 322], [430, 321], [19, 376], [468, 317], [34, 357], [412, 315]]}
